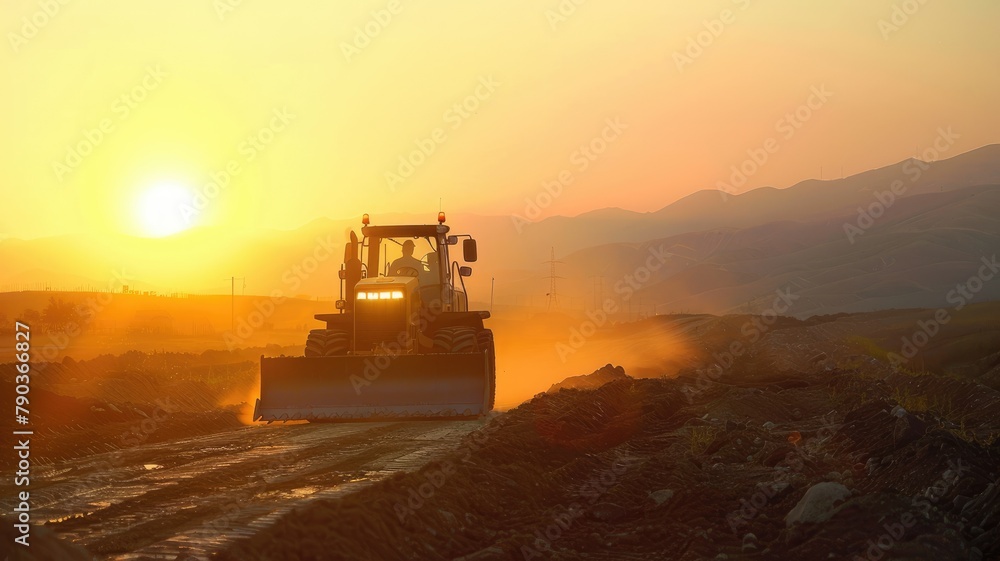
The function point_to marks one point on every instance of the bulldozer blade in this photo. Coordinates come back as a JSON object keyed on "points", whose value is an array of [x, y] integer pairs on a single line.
{"points": [[344, 388]]}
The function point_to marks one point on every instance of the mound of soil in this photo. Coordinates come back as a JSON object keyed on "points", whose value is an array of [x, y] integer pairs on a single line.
{"points": [[769, 465], [592, 381]]}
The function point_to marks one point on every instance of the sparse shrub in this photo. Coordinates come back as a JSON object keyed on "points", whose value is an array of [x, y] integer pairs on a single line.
{"points": [[971, 436], [869, 347], [910, 402], [942, 406], [700, 438]]}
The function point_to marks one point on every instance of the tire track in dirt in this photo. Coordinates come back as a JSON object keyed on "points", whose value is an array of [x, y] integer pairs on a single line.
{"points": [[193, 496]]}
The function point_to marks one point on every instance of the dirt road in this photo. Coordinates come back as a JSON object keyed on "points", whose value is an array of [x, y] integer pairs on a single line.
{"points": [[185, 498]]}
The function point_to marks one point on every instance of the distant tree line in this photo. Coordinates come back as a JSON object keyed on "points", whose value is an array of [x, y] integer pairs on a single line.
{"points": [[58, 315]]}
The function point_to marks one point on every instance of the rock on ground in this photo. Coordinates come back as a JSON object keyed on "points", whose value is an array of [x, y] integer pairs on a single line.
{"points": [[818, 504]]}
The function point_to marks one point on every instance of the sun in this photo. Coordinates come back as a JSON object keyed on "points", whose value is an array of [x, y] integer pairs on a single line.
{"points": [[164, 209]]}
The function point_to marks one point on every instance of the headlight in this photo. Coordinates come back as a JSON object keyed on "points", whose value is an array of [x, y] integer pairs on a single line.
{"points": [[381, 295]]}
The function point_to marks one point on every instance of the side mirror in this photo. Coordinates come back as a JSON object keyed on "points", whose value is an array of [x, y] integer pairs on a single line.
{"points": [[465, 271], [452, 240], [341, 304], [469, 251]]}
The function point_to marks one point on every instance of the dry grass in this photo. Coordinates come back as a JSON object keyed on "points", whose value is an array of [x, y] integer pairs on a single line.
{"points": [[700, 438]]}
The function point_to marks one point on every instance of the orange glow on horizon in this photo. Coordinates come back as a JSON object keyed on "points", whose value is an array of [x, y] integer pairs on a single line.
{"points": [[631, 106]]}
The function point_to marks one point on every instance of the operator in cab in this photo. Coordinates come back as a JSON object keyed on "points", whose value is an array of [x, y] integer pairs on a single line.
{"points": [[407, 265]]}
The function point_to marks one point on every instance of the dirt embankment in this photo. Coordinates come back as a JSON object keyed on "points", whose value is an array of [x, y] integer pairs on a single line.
{"points": [[114, 402], [767, 465]]}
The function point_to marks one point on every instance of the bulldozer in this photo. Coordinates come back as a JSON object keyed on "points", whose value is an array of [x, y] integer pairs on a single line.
{"points": [[402, 343]]}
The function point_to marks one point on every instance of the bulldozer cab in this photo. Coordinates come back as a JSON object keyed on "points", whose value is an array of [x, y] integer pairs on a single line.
{"points": [[414, 257], [382, 252]]}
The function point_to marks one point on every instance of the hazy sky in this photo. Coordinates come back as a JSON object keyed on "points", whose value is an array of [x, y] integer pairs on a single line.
{"points": [[180, 89]]}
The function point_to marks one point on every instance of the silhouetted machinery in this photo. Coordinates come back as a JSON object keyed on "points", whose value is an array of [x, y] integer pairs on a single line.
{"points": [[403, 343]]}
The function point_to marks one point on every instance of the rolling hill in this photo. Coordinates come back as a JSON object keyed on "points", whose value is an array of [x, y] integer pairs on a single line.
{"points": [[726, 251]]}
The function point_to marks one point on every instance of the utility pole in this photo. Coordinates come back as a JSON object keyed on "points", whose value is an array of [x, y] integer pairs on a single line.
{"points": [[598, 289], [232, 301], [493, 283], [553, 297]]}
